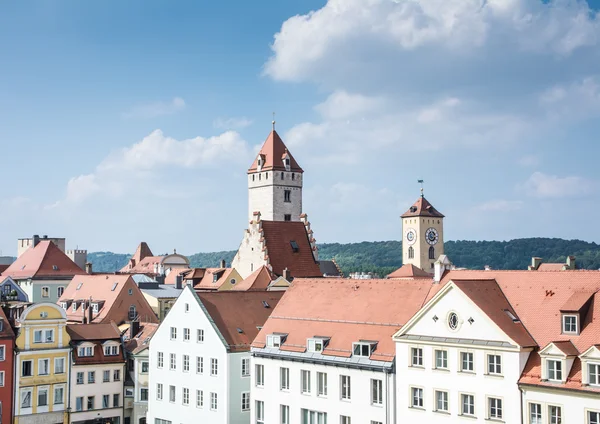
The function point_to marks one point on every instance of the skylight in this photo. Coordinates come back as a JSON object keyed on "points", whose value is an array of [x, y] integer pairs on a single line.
{"points": [[511, 315], [114, 286], [294, 245], [266, 304], [79, 286]]}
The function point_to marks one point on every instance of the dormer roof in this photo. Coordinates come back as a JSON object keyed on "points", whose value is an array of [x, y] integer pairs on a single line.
{"points": [[273, 153], [422, 207]]}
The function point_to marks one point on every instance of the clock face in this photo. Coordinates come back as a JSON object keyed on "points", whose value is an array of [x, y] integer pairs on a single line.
{"points": [[431, 235], [410, 236]]}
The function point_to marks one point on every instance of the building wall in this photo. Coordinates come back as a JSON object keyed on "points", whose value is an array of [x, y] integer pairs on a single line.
{"points": [[211, 347], [141, 381], [237, 385], [120, 310], [78, 256], [7, 367], [574, 405], [358, 408], [249, 256], [266, 195], [233, 276], [420, 246]]}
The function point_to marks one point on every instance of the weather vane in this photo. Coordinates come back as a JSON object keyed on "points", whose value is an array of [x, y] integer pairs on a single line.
{"points": [[421, 182], [273, 122]]}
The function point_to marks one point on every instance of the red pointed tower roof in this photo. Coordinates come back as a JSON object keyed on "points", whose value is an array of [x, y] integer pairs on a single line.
{"points": [[142, 251], [273, 153], [422, 208], [43, 260]]}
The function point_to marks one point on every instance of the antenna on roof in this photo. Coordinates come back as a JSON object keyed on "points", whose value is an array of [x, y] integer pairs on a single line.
{"points": [[421, 182], [273, 121]]}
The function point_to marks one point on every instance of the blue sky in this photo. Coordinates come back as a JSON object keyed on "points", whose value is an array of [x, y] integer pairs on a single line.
{"points": [[130, 121]]}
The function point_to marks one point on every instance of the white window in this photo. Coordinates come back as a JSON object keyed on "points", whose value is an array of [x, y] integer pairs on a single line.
{"points": [[91, 377], [316, 345], [63, 305], [284, 412], [143, 394], [376, 392], [284, 378], [593, 417], [441, 401], [260, 412], [213, 401], [274, 340], [441, 359], [345, 387], [45, 291], [467, 403], [171, 393], [199, 365], [554, 414], [85, 351], [570, 324], [42, 396], [186, 334], [259, 371], [145, 367], [172, 361], [245, 401], [245, 367], [416, 357], [79, 378], [362, 349], [59, 292], [112, 350], [594, 374], [187, 307], [467, 362], [186, 363], [26, 398], [59, 395], [117, 375], [321, 384], [185, 394], [554, 369], [305, 378], [313, 417], [74, 309], [59, 365], [345, 419], [416, 397], [159, 359], [200, 336], [494, 408], [173, 333], [199, 399], [132, 312], [494, 364], [43, 366], [95, 307], [214, 366], [535, 413], [159, 391]]}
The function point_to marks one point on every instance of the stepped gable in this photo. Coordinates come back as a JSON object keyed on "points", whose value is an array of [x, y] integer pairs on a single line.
{"points": [[423, 208], [273, 152], [43, 260]]}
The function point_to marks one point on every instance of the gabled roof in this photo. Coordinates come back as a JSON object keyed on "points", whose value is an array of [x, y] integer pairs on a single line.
{"points": [[409, 271], [273, 152], [208, 280], [329, 268], [565, 346], [278, 236], [43, 260], [258, 280], [142, 251], [422, 208], [551, 267], [80, 332], [238, 315], [577, 301], [141, 340]]}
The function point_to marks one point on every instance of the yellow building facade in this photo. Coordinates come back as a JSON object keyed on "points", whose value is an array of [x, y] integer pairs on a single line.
{"points": [[42, 366]]}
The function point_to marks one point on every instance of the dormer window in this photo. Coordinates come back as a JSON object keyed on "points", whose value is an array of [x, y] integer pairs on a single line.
{"points": [[554, 369], [275, 340], [95, 307], [74, 309], [317, 344], [570, 324], [112, 350], [363, 349], [63, 305], [215, 278], [85, 351], [594, 374]]}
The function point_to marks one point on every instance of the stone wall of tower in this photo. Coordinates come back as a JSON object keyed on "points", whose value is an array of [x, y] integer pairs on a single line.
{"points": [[420, 246], [266, 194]]}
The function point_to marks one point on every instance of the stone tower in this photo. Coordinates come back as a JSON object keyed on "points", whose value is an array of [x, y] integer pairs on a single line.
{"points": [[275, 183], [422, 235]]}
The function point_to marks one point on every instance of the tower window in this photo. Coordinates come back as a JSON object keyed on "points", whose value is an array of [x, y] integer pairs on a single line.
{"points": [[287, 196], [266, 175], [287, 217], [282, 175], [253, 177], [431, 253], [259, 175], [293, 176], [411, 253], [287, 161]]}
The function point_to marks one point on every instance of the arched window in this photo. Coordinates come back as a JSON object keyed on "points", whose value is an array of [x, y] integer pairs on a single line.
{"points": [[431, 253], [411, 253], [293, 176], [282, 175], [132, 312]]}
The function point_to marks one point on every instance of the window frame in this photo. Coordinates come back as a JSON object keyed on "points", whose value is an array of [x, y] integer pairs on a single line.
{"points": [[559, 408], [200, 335], [245, 401], [436, 401], [461, 397], [284, 379], [345, 387], [245, 371], [321, 384], [417, 393], [376, 392], [443, 357], [259, 372], [564, 324], [416, 350], [596, 374], [305, 383], [495, 364], [499, 407], [461, 362], [555, 371]]}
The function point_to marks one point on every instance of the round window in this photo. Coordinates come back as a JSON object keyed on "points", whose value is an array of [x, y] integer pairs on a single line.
{"points": [[232, 281], [453, 321]]}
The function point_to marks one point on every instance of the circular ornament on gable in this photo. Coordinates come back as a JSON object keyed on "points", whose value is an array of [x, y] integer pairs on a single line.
{"points": [[453, 321]]}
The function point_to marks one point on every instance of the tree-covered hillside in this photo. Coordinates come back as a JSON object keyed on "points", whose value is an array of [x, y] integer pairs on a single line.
{"points": [[382, 257]]}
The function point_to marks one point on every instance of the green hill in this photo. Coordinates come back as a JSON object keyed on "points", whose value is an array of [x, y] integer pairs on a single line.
{"points": [[382, 257]]}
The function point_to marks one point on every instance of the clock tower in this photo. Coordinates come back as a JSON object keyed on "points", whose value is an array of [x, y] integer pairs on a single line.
{"points": [[422, 235]]}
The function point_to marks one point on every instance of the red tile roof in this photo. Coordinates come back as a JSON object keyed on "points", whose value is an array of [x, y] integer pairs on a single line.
{"points": [[79, 332], [208, 280], [577, 301], [272, 152], [258, 280], [550, 267], [43, 260], [409, 271], [347, 311], [278, 235], [3, 268], [245, 311], [140, 341], [422, 208]]}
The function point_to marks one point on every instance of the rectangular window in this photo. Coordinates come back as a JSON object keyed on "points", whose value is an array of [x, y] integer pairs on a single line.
{"points": [[593, 417], [466, 362], [494, 364], [116, 399], [145, 367], [171, 393], [214, 366], [48, 336], [185, 395], [594, 374], [376, 392], [90, 402], [199, 365], [173, 333], [111, 350], [313, 417], [105, 401], [554, 414], [467, 404], [287, 217], [117, 375], [417, 397], [213, 401], [42, 396], [494, 408], [284, 378], [159, 360], [199, 399], [1, 378], [37, 336], [535, 413], [59, 395], [441, 401], [91, 377], [259, 370], [416, 357], [26, 398], [106, 376], [59, 365], [200, 336], [570, 324], [43, 366], [45, 291], [554, 369], [441, 359], [159, 391], [26, 368], [321, 384], [79, 378], [186, 363], [172, 361], [245, 367], [284, 412], [79, 403], [345, 419], [345, 387], [287, 196], [186, 334], [245, 401], [305, 378], [2, 352], [260, 412], [143, 394]]}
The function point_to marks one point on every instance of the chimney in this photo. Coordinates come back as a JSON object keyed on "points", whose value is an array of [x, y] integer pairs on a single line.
{"points": [[287, 275], [36, 240], [134, 328], [535, 263], [84, 319], [90, 311], [179, 281], [487, 268], [570, 262], [438, 271], [223, 264], [88, 267]]}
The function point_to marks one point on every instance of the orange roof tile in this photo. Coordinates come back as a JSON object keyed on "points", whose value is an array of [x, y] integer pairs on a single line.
{"points": [[577, 301], [409, 271], [43, 260], [422, 208], [171, 277], [140, 341], [272, 152], [551, 267], [93, 331], [208, 280], [258, 280]]}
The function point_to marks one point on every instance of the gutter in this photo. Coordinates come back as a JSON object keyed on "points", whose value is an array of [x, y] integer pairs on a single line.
{"points": [[522, 403]]}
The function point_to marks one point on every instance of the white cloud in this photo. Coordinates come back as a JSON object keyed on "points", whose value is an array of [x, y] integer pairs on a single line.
{"points": [[343, 105], [546, 186], [232, 123], [500, 205], [155, 109]]}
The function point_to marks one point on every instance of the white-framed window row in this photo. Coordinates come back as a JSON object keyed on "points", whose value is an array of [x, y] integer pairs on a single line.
{"points": [[416, 357], [493, 363], [544, 413], [466, 363], [440, 359], [417, 400], [441, 400], [467, 404]]}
